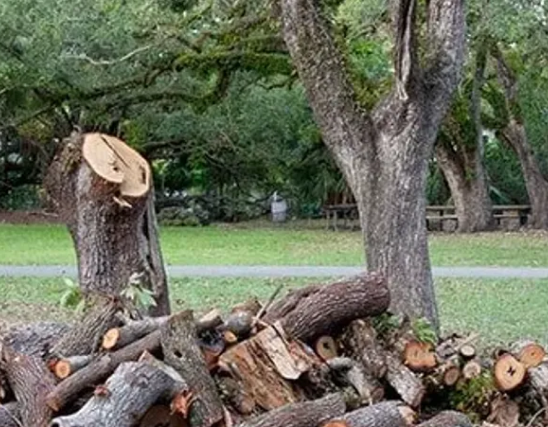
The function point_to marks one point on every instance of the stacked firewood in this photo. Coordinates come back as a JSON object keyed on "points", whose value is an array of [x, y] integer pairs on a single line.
{"points": [[325, 356]]}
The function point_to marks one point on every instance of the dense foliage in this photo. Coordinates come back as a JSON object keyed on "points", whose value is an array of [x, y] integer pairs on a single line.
{"points": [[205, 89]]}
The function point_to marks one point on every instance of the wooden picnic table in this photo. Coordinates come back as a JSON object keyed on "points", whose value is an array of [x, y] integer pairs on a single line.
{"points": [[502, 214]]}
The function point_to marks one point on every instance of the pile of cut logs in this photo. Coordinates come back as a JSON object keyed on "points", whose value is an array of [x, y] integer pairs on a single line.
{"points": [[321, 356]]}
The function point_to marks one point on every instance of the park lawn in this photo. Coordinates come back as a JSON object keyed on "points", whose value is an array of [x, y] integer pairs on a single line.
{"points": [[500, 310], [241, 245]]}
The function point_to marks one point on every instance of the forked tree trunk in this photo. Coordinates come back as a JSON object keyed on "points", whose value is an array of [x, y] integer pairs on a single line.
{"points": [[469, 189], [516, 136], [384, 154], [103, 191]]}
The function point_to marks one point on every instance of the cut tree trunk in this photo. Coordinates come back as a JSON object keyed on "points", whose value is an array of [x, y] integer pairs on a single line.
{"points": [[69, 389], [305, 414], [103, 191], [318, 310], [31, 382], [408, 386], [467, 181], [126, 397], [181, 351], [35, 339]]}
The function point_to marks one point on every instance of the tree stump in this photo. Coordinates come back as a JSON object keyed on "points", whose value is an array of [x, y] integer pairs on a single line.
{"points": [[103, 191]]}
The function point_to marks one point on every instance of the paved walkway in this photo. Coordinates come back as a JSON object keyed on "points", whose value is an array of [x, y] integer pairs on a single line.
{"points": [[286, 271]]}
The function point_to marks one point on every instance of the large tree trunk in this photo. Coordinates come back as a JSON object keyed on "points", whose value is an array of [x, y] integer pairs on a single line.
{"points": [[516, 136], [103, 191], [466, 178], [384, 154], [460, 152]]}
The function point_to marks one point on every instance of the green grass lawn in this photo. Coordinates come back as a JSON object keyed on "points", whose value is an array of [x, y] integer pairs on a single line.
{"points": [[225, 245], [500, 310]]}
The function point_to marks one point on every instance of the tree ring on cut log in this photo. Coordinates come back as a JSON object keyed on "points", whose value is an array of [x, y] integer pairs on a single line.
{"points": [[531, 355], [116, 162], [451, 375], [471, 369], [509, 372], [326, 347], [419, 356]]}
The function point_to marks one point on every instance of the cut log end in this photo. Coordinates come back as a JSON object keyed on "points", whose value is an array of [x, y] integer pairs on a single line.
{"points": [[62, 369], [110, 339], [509, 372], [472, 369], [531, 355], [451, 375], [336, 423], [326, 347], [116, 162], [419, 356], [468, 351]]}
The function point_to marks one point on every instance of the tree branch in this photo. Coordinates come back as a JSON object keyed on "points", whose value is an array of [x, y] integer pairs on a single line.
{"points": [[83, 56], [321, 68], [445, 50]]}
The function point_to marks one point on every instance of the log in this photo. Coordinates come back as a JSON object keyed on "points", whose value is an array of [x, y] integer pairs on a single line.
{"points": [[160, 415], [35, 339], [305, 414], [326, 347], [181, 351], [126, 397], [404, 382], [446, 374], [253, 305], [419, 356], [116, 338], [529, 353], [359, 341], [97, 371], [265, 365], [10, 415], [63, 368], [86, 335], [31, 382], [471, 369], [384, 414], [448, 419], [509, 373], [239, 323], [320, 310], [368, 389], [504, 412]]}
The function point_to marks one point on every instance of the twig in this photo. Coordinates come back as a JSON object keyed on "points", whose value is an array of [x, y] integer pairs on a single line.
{"points": [[92, 61], [538, 414], [265, 307]]}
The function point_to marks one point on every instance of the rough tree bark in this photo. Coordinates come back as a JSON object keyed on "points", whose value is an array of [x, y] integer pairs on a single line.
{"points": [[515, 135], [384, 154], [459, 152], [103, 191]]}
